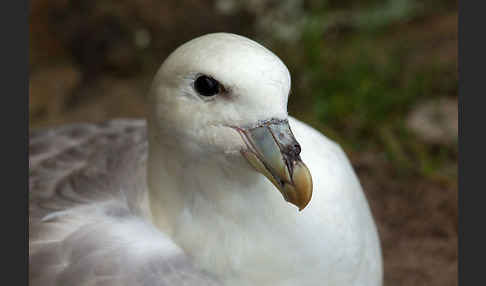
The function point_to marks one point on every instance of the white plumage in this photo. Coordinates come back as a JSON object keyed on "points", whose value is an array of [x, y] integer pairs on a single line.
{"points": [[183, 204]]}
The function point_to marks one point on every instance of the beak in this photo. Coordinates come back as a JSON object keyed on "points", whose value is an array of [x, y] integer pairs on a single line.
{"points": [[273, 151]]}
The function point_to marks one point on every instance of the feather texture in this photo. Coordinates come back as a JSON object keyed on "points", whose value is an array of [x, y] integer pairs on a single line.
{"points": [[89, 222]]}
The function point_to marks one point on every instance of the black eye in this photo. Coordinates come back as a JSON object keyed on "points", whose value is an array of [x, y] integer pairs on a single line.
{"points": [[206, 86]]}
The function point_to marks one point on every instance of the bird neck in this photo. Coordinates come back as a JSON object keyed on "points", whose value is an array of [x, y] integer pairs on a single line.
{"points": [[212, 208], [185, 185]]}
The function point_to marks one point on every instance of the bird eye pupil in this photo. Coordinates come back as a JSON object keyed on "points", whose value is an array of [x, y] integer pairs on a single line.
{"points": [[206, 86]]}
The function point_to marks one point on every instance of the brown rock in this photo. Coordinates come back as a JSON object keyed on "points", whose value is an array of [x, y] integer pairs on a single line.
{"points": [[435, 121]]}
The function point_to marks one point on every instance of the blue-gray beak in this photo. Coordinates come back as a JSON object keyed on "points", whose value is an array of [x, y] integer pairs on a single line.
{"points": [[273, 151]]}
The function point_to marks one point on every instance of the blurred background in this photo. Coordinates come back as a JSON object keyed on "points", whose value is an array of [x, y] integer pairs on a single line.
{"points": [[380, 77]]}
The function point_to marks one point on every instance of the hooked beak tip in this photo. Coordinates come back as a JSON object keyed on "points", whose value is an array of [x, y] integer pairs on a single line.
{"points": [[300, 192]]}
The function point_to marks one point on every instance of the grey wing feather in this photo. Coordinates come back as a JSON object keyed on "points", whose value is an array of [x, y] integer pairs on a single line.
{"points": [[87, 222]]}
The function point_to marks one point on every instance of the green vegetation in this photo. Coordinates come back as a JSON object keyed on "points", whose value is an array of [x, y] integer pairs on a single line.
{"points": [[359, 72]]}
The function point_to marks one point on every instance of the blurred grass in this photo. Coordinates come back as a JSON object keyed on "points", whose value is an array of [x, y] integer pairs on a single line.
{"points": [[362, 80]]}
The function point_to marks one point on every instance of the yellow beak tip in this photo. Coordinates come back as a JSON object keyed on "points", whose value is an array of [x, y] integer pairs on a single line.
{"points": [[303, 185]]}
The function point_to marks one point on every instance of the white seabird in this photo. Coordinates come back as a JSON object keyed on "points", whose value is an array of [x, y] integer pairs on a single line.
{"points": [[207, 192]]}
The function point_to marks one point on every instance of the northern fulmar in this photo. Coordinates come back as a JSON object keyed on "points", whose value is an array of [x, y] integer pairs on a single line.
{"points": [[217, 186]]}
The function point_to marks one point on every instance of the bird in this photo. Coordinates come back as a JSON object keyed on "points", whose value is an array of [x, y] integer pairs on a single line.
{"points": [[217, 185]]}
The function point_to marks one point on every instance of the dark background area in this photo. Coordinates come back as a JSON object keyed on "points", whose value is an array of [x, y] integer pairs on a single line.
{"points": [[379, 77]]}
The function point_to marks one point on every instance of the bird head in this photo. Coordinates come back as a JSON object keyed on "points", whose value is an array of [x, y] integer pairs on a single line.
{"points": [[226, 94]]}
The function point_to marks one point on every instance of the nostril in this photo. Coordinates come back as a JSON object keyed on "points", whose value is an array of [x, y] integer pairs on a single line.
{"points": [[297, 148]]}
